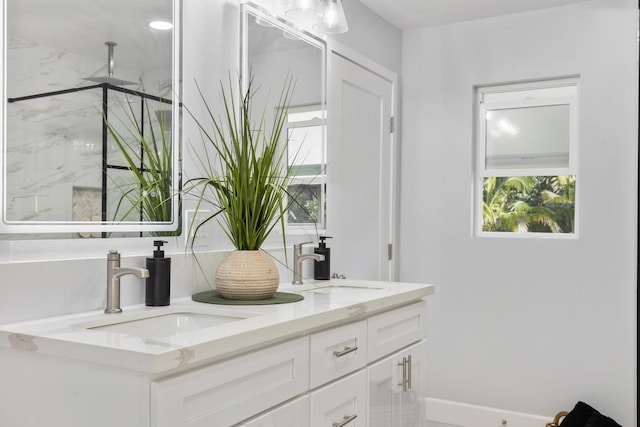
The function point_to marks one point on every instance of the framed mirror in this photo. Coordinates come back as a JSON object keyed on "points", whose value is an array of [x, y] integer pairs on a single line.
{"points": [[272, 49], [90, 117]]}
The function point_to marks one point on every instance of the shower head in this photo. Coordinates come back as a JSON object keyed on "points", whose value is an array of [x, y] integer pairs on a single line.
{"points": [[109, 77]]}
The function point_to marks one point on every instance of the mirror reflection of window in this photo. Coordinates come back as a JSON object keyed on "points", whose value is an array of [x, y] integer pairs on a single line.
{"points": [[306, 154]]}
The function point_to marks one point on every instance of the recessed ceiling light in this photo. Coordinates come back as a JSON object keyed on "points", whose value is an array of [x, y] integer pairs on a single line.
{"points": [[161, 25]]}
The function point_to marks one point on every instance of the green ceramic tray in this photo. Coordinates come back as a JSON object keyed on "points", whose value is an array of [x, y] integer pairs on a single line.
{"points": [[213, 297]]}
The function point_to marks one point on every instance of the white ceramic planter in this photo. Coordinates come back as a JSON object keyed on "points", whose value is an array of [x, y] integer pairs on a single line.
{"points": [[247, 275]]}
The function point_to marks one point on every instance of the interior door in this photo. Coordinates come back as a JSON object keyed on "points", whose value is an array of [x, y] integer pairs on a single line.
{"points": [[360, 153]]}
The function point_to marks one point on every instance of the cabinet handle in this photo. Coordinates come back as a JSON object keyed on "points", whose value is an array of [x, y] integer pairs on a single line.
{"points": [[403, 383], [347, 419], [406, 373], [409, 372], [346, 351]]}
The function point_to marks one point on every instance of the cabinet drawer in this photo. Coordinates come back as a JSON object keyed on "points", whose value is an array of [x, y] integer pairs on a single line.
{"points": [[337, 352], [227, 392], [391, 331], [291, 414], [343, 403]]}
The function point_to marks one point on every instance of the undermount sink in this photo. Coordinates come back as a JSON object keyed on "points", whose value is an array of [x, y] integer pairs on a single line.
{"points": [[161, 322], [337, 286]]}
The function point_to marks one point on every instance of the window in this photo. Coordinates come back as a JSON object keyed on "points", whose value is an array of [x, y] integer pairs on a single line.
{"points": [[526, 170], [306, 160]]}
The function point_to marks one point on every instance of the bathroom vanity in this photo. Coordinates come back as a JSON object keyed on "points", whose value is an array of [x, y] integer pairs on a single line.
{"points": [[351, 353]]}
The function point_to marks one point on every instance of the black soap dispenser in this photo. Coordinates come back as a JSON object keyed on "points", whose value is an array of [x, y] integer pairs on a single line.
{"points": [[158, 287], [322, 269]]}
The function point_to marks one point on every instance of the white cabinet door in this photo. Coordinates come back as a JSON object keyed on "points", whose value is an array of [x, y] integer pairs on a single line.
{"points": [[291, 414], [397, 389], [413, 399], [384, 396], [342, 403]]}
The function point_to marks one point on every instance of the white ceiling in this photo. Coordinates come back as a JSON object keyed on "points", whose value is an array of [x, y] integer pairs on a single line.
{"points": [[83, 26], [409, 14]]}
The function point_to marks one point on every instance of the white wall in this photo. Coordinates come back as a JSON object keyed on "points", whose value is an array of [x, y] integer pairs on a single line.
{"points": [[371, 36], [526, 325]]}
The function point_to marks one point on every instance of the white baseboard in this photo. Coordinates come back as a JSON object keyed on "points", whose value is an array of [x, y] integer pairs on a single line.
{"points": [[465, 415]]}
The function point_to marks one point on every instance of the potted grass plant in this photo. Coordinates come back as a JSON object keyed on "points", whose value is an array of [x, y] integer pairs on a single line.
{"points": [[245, 176], [147, 154]]}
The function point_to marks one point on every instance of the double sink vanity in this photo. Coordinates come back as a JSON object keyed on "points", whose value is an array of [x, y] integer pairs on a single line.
{"points": [[351, 353]]}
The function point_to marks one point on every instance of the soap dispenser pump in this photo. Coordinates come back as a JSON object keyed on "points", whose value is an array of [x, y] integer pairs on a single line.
{"points": [[158, 285], [322, 269]]}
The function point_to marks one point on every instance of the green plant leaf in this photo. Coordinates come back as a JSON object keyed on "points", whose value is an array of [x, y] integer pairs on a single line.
{"points": [[244, 169]]}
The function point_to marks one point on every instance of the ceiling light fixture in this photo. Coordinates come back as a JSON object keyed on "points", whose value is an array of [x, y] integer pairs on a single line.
{"points": [[324, 16], [333, 19], [161, 25], [304, 10]]}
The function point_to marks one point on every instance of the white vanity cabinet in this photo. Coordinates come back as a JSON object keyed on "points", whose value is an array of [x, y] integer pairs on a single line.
{"points": [[366, 373], [333, 359]]}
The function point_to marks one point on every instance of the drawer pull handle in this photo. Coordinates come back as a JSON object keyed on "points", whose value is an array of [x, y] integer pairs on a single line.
{"points": [[347, 419], [346, 351]]}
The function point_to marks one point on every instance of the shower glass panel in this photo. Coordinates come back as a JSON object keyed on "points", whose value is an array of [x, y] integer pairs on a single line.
{"points": [[65, 163]]}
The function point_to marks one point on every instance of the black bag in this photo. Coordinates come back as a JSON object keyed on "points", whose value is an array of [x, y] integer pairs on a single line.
{"points": [[583, 415]]}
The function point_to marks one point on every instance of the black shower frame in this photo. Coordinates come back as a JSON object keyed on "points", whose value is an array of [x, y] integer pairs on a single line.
{"points": [[105, 130]]}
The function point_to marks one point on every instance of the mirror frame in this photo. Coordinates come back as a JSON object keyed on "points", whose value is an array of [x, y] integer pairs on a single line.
{"points": [[28, 227]]}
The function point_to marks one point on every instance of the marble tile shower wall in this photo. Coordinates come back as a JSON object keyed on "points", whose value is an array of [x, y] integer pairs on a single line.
{"points": [[54, 143]]}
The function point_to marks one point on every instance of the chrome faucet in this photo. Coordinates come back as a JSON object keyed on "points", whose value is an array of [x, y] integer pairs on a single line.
{"points": [[298, 257], [114, 272]]}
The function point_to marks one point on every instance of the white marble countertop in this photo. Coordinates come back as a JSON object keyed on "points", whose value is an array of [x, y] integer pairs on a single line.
{"points": [[336, 302]]}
